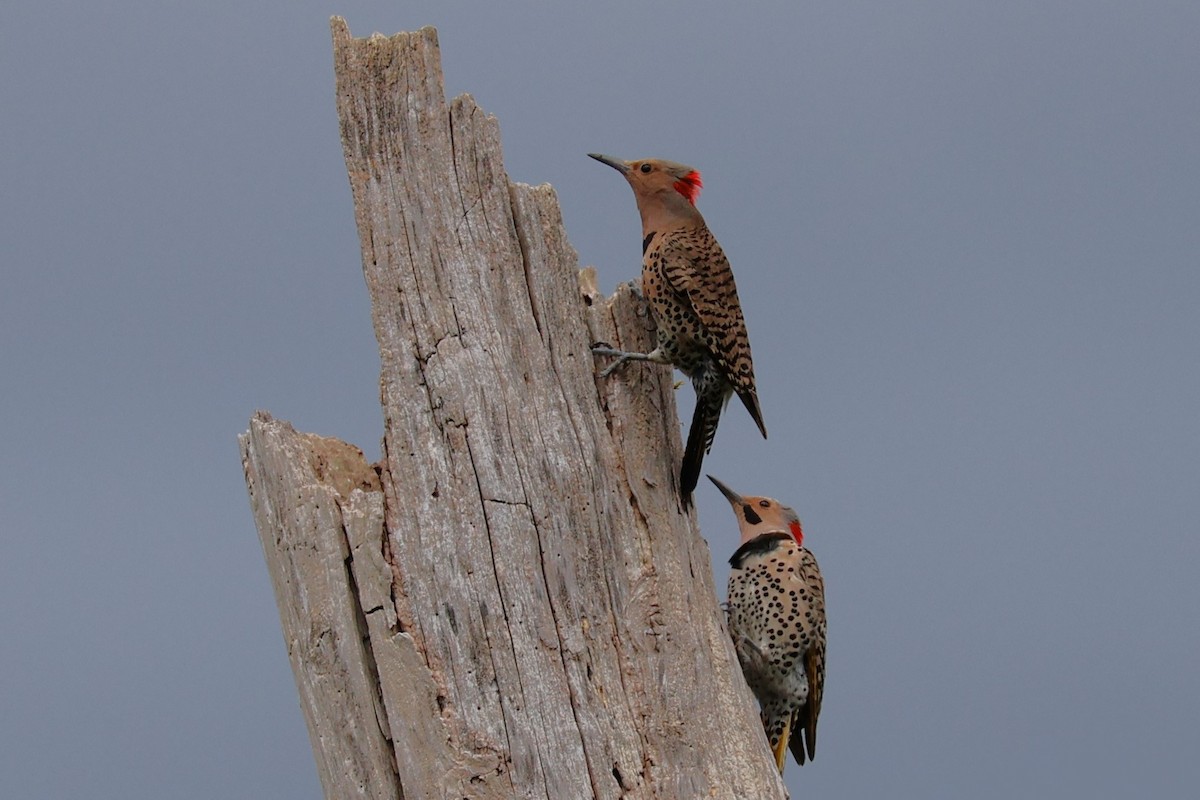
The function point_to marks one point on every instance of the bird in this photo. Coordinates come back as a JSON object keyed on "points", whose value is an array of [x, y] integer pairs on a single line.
{"points": [[689, 287], [776, 617]]}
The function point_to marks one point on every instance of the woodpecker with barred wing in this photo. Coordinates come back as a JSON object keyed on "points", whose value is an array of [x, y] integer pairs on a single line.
{"points": [[776, 614], [689, 286]]}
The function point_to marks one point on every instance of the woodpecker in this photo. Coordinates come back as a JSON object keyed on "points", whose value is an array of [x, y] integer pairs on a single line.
{"points": [[689, 286], [776, 615]]}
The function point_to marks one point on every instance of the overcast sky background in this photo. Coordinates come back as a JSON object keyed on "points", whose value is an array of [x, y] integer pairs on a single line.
{"points": [[966, 237]]}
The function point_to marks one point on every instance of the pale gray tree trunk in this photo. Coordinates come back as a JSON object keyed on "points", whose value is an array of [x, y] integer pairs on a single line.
{"points": [[513, 603]]}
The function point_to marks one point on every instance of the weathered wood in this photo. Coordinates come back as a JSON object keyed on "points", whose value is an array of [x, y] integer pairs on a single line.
{"points": [[540, 617], [307, 492]]}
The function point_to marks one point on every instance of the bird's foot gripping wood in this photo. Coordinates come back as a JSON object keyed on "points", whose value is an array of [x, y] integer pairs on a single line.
{"points": [[655, 356]]}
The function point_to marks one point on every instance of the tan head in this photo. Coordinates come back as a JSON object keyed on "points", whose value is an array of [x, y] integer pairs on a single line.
{"points": [[759, 515], [666, 192]]}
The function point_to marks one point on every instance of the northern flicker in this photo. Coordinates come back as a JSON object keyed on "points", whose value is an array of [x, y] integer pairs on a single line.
{"points": [[689, 287], [776, 615]]}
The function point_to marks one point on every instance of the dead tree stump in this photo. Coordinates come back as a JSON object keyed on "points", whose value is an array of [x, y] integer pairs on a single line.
{"points": [[513, 603]]}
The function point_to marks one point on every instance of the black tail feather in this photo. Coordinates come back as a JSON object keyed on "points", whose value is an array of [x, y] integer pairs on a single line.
{"points": [[699, 441], [750, 401], [803, 742]]}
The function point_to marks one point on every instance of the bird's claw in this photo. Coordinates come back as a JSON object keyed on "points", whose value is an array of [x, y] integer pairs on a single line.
{"points": [[611, 368], [604, 373], [602, 349]]}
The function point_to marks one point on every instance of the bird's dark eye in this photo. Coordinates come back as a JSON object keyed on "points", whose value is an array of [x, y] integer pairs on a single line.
{"points": [[646, 167], [765, 503]]}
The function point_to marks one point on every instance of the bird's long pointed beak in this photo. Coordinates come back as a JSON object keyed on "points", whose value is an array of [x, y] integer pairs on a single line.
{"points": [[730, 494], [616, 163]]}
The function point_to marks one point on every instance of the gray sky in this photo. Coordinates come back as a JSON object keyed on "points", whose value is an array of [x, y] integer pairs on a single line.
{"points": [[966, 239]]}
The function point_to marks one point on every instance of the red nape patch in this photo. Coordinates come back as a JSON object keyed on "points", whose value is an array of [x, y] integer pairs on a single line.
{"points": [[689, 186], [797, 534]]}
